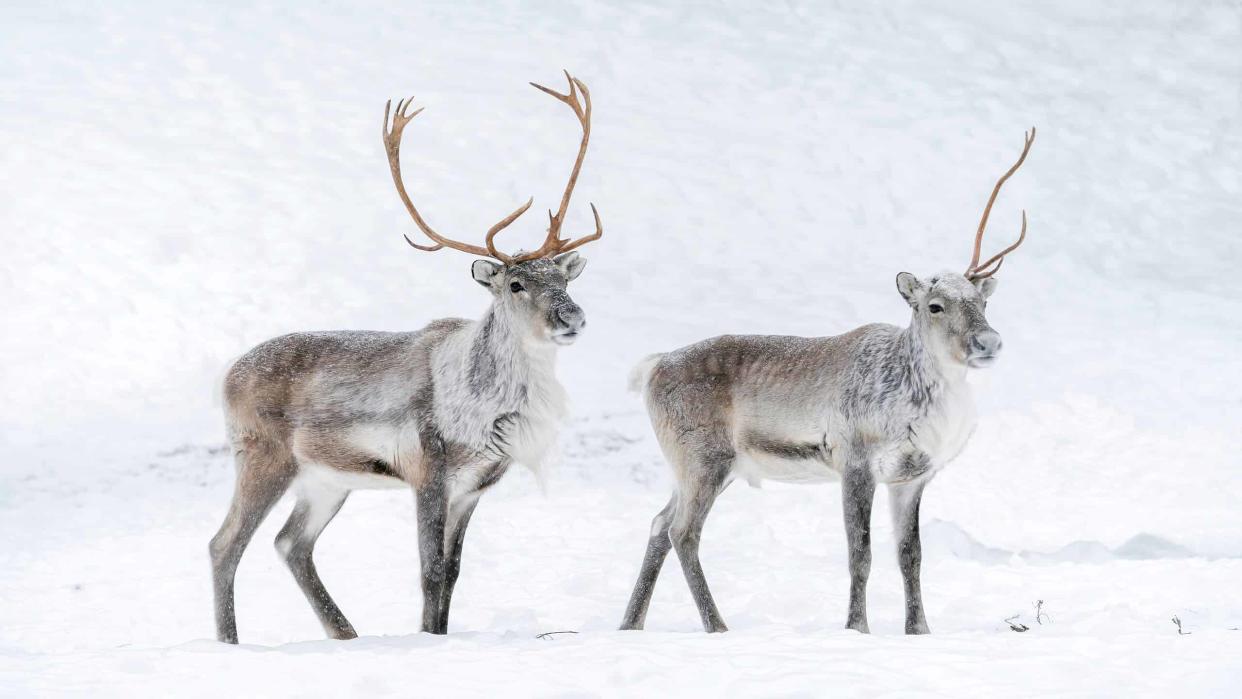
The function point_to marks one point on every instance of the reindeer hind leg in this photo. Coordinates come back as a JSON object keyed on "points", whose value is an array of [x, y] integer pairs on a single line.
{"points": [[264, 471], [315, 508], [658, 545], [710, 476]]}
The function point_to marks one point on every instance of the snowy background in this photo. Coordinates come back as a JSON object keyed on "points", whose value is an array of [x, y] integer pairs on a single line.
{"points": [[178, 186]]}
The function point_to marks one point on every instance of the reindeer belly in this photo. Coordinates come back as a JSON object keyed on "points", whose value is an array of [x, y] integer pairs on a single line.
{"points": [[756, 468], [787, 459], [365, 457], [317, 474]]}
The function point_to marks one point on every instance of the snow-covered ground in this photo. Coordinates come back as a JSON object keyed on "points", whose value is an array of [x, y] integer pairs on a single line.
{"points": [[176, 186]]}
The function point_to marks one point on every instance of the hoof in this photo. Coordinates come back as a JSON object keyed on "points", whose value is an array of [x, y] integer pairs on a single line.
{"points": [[859, 626]]}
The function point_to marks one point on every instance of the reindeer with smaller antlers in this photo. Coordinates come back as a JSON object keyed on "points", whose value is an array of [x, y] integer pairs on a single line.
{"points": [[880, 404], [444, 410]]}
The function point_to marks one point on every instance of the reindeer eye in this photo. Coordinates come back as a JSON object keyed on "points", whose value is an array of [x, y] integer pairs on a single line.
{"points": [[935, 308], [516, 287]]}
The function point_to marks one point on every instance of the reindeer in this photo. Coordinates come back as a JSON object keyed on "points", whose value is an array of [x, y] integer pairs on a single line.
{"points": [[879, 404], [444, 410]]}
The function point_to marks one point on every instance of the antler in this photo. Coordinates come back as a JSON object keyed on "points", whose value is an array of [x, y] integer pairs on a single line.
{"points": [[552, 244], [392, 144], [978, 271]]}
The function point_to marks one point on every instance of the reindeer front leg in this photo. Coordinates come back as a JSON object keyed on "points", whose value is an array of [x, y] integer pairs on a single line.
{"points": [[905, 499], [432, 513], [455, 534], [857, 493]]}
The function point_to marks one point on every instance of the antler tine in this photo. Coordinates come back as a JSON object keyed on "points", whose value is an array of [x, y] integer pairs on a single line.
{"points": [[1000, 256], [984, 275], [428, 248], [975, 270], [553, 243], [599, 233], [504, 222], [571, 97], [392, 146]]}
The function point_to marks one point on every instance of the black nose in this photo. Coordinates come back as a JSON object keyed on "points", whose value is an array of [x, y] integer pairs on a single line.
{"points": [[571, 316], [985, 343]]}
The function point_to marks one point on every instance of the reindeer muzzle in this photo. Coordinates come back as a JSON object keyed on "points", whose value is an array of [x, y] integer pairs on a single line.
{"points": [[985, 347], [568, 320]]}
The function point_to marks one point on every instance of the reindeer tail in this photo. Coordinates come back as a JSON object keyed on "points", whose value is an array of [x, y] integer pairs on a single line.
{"points": [[640, 375]]}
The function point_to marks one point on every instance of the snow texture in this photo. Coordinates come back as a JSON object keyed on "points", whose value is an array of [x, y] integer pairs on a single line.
{"points": [[177, 185]]}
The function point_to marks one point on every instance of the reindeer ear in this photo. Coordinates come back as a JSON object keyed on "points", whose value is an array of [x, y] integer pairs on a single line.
{"points": [[986, 286], [484, 272], [910, 288], [571, 264]]}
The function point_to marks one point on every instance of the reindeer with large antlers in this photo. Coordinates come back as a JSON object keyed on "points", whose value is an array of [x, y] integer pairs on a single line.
{"points": [[879, 404], [444, 410]]}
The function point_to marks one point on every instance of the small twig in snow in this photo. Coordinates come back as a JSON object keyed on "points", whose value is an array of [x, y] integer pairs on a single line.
{"points": [[1019, 627], [549, 634], [1178, 621], [1040, 614]]}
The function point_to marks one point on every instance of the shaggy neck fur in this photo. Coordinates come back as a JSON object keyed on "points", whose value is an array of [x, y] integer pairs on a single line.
{"points": [[506, 396], [502, 354], [928, 371]]}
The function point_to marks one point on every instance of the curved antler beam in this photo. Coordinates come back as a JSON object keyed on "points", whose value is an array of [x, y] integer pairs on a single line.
{"points": [[579, 100], [392, 146], [553, 244], [974, 270]]}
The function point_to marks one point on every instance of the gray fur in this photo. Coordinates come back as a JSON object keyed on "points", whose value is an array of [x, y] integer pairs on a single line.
{"points": [[879, 404], [444, 410], [296, 542], [904, 499]]}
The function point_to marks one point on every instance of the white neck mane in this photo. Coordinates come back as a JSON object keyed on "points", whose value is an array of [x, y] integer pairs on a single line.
{"points": [[494, 370]]}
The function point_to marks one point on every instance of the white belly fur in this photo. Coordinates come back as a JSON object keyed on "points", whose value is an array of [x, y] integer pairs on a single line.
{"points": [[755, 467], [313, 477]]}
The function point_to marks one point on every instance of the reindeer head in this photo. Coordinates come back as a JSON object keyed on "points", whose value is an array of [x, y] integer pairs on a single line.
{"points": [[535, 292], [530, 286], [949, 307], [949, 315]]}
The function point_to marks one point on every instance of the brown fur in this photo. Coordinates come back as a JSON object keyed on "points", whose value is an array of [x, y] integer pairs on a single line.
{"points": [[274, 395]]}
